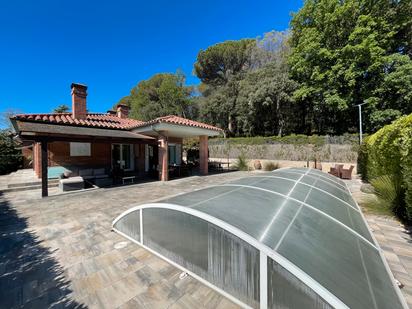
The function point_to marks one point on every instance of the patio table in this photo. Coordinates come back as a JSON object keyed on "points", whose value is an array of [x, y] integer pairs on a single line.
{"points": [[132, 178]]}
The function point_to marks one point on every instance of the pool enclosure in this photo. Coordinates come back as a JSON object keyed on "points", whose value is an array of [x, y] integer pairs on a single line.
{"points": [[291, 238]]}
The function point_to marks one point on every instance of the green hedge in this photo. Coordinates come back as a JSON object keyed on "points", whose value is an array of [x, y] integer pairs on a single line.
{"points": [[294, 139], [389, 152], [10, 155], [406, 165]]}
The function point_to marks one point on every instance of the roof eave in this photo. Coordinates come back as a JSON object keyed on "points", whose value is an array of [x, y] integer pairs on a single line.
{"points": [[175, 130]]}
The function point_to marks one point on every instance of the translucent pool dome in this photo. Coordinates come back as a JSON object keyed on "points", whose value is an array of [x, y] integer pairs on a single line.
{"points": [[291, 238]]}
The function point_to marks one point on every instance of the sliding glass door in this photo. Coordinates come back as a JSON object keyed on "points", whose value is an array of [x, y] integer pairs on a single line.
{"points": [[122, 156]]}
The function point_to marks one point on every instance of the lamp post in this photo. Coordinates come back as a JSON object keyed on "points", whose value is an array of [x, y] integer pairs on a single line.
{"points": [[360, 121]]}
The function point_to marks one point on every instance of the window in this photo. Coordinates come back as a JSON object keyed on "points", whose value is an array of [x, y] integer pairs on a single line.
{"points": [[80, 149], [175, 154], [122, 156]]}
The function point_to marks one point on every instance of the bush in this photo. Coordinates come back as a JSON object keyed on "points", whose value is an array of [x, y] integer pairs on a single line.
{"points": [[293, 147], [241, 163], [362, 161], [270, 166], [276, 152], [388, 189], [388, 152], [10, 156], [406, 166], [293, 139]]}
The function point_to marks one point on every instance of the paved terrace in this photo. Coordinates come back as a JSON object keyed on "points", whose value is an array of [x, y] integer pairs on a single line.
{"points": [[60, 252]]}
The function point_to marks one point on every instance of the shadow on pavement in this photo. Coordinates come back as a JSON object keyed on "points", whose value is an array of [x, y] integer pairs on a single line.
{"points": [[29, 276]]}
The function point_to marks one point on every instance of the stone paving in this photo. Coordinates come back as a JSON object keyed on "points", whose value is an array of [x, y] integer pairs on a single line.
{"points": [[394, 239], [60, 252], [17, 177]]}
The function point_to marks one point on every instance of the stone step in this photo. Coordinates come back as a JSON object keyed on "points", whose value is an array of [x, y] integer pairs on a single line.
{"points": [[28, 187], [32, 183]]}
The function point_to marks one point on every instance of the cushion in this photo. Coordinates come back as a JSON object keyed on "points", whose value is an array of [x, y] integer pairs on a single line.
{"points": [[102, 176], [55, 171], [99, 171], [67, 173], [70, 184], [71, 180], [86, 172]]}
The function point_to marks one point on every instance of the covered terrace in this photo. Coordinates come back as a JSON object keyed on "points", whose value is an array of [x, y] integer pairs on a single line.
{"points": [[43, 135], [170, 131]]}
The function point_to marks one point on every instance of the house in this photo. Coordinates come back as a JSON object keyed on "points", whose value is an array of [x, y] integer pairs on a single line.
{"points": [[110, 140]]}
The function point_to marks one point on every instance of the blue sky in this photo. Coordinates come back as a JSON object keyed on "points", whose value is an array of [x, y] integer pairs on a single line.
{"points": [[112, 45]]}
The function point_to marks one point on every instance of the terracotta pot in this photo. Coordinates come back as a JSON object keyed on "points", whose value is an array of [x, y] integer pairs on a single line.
{"points": [[257, 165]]}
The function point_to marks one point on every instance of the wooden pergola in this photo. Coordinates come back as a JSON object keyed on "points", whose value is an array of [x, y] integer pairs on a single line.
{"points": [[46, 133]]}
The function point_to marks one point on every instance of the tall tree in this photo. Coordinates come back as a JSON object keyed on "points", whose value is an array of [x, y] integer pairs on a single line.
{"points": [[219, 63], [273, 47], [63, 108], [161, 95], [265, 100], [246, 86], [220, 68], [343, 54]]}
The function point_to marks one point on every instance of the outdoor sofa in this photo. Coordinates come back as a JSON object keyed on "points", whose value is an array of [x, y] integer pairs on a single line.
{"points": [[80, 178]]}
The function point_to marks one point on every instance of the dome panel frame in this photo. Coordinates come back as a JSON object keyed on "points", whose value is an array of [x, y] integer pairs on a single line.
{"points": [[265, 250]]}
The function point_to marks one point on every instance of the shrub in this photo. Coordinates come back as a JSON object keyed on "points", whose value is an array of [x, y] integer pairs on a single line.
{"points": [[388, 152], [406, 167], [276, 152], [371, 204], [363, 161], [241, 163], [293, 139], [270, 166], [389, 192], [10, 156]]}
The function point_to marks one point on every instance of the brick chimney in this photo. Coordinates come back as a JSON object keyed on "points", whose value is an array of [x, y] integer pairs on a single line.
{"points": [[122, 111], [79, 94]]}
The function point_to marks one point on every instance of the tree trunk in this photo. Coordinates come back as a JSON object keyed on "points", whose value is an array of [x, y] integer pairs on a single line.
{"points": [[279, 117]]}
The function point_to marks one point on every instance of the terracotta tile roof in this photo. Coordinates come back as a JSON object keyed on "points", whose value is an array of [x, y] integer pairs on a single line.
{"points": [[105, 121], [180, 121]]}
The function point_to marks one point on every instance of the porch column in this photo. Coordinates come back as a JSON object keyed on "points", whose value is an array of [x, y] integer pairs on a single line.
{"points": [[44, 188], [141, 158], [163, 158], [37, 159], [203, 154]]}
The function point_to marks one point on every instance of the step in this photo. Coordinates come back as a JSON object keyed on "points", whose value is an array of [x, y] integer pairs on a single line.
{"points": [[26, 188], [32, 183]]}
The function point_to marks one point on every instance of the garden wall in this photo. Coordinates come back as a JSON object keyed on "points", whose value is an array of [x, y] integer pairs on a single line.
{"points": [[293, 147]]}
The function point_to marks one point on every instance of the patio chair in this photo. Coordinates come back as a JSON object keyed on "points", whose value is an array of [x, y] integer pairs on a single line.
{"points": [[336, 171], [346, 173]]}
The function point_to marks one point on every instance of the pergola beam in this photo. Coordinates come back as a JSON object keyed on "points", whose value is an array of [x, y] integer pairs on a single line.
{"points": [[85, 139]]}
